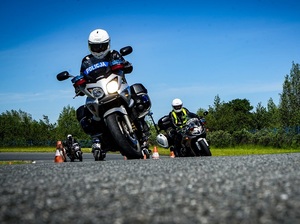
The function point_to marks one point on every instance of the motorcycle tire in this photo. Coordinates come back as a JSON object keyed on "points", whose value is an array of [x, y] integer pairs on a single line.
{"points": [[79, 155], [98, 155], [147, 153], [72, 155], [128, 143], [205, 150]]}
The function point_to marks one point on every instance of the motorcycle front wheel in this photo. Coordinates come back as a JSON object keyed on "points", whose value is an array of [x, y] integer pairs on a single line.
{"points": [[128, 142], [205, 151], [79, 156], [98, 155]]}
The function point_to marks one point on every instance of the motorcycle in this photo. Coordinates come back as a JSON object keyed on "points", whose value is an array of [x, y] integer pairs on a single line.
{"points": [[97, 152], [193, 137], [118, 109], [74, 152]]}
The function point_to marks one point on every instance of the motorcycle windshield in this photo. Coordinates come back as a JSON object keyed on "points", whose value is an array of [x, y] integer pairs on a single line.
{"points": [[193, 122]]}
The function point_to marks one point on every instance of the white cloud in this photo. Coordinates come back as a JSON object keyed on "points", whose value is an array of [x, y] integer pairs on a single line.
{"points": [[33, 97], [226, 89]]}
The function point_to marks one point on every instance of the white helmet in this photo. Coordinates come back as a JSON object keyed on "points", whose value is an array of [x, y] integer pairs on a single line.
{"points": [[162, 141], [177, 105], [69, 136], [99, 42]]}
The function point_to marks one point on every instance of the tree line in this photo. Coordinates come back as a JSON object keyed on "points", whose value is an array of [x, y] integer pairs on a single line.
{"points": [[17, 128], [229, 124], [237, 122]]}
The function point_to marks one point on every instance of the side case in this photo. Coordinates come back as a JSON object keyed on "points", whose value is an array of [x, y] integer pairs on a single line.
{"points": [[141, 99], [164, 123]]}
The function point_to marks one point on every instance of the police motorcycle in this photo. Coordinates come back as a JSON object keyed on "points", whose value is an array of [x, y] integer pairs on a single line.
{"points": [[193, 137], [118, 109]]}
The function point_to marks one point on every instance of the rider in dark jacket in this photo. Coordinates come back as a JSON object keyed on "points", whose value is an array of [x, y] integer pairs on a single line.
{"points": [[179, 116], [100, 63], [68, 143]]}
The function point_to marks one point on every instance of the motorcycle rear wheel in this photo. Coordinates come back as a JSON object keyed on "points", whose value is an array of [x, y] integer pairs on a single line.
{"points": [[128, 142]]}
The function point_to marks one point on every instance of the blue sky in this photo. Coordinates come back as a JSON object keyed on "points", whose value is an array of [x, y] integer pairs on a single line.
{"points": [[192, 50]]}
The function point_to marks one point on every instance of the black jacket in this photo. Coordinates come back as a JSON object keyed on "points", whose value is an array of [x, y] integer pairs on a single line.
{"points": [[181, 117], [93, 68]]}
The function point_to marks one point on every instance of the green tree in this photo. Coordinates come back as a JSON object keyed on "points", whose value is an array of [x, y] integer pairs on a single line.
{"points": [[290, 98], [261, 117], [17, 128], [239, 115], [232, 116], [68, 124], [43, 132], [153, 133], [273, 114], [214, 116]]}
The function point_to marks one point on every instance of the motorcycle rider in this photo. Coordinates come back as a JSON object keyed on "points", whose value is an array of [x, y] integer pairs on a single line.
{"points": [[179, 116], [92, 68], [68, 143]]}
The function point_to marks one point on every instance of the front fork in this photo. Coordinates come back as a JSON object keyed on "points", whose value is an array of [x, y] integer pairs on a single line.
{"points": [[199, 140], [123, 111]]}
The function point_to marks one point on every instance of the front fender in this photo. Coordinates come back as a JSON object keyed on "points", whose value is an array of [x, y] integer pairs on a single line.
{"points": [[121, 109]]}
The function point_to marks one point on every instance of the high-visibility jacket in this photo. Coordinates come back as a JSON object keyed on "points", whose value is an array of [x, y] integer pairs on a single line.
{"points": [[181, 118]]}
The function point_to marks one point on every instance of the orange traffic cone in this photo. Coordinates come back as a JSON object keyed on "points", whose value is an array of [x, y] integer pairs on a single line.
{"points": [[155, 154], [58, 156], [172, 155]]}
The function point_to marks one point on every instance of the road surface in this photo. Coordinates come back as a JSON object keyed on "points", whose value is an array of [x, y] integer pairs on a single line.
{"points": [[232, 189]]}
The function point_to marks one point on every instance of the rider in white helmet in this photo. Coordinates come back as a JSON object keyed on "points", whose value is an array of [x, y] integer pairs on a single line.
{"points": [[177, 105], [99, 43], [101, 62], [179, 116], [68, 143]]}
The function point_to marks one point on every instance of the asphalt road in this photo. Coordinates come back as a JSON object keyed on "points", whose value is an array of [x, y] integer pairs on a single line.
{"points": [[236, 189]]}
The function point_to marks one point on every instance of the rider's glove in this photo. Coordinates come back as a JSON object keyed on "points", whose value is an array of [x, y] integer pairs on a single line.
{"points": [[78, 92], [127, 67], [117, 65]]}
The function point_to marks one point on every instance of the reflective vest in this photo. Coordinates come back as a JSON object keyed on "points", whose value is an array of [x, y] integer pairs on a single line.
{"points": [[180, 121]]}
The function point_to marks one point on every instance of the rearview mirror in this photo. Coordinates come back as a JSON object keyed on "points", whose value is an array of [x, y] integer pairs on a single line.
{"points": [[126, 50], [63, 76]]}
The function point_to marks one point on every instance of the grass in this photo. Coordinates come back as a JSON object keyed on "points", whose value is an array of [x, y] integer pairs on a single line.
{"points": [[14, 162], [244, 150], [247, 150]]}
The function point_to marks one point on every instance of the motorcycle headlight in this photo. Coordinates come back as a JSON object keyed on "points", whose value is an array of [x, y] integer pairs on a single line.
{"points": [[97, 92], [112, 86]]}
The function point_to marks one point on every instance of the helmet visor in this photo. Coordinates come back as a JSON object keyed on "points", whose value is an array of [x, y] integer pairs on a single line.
{"points": [[177, 107], [98, 48]]}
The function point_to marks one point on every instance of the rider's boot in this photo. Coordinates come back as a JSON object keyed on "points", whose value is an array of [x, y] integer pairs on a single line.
{"points": [[145, 149], [172, 152]]}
